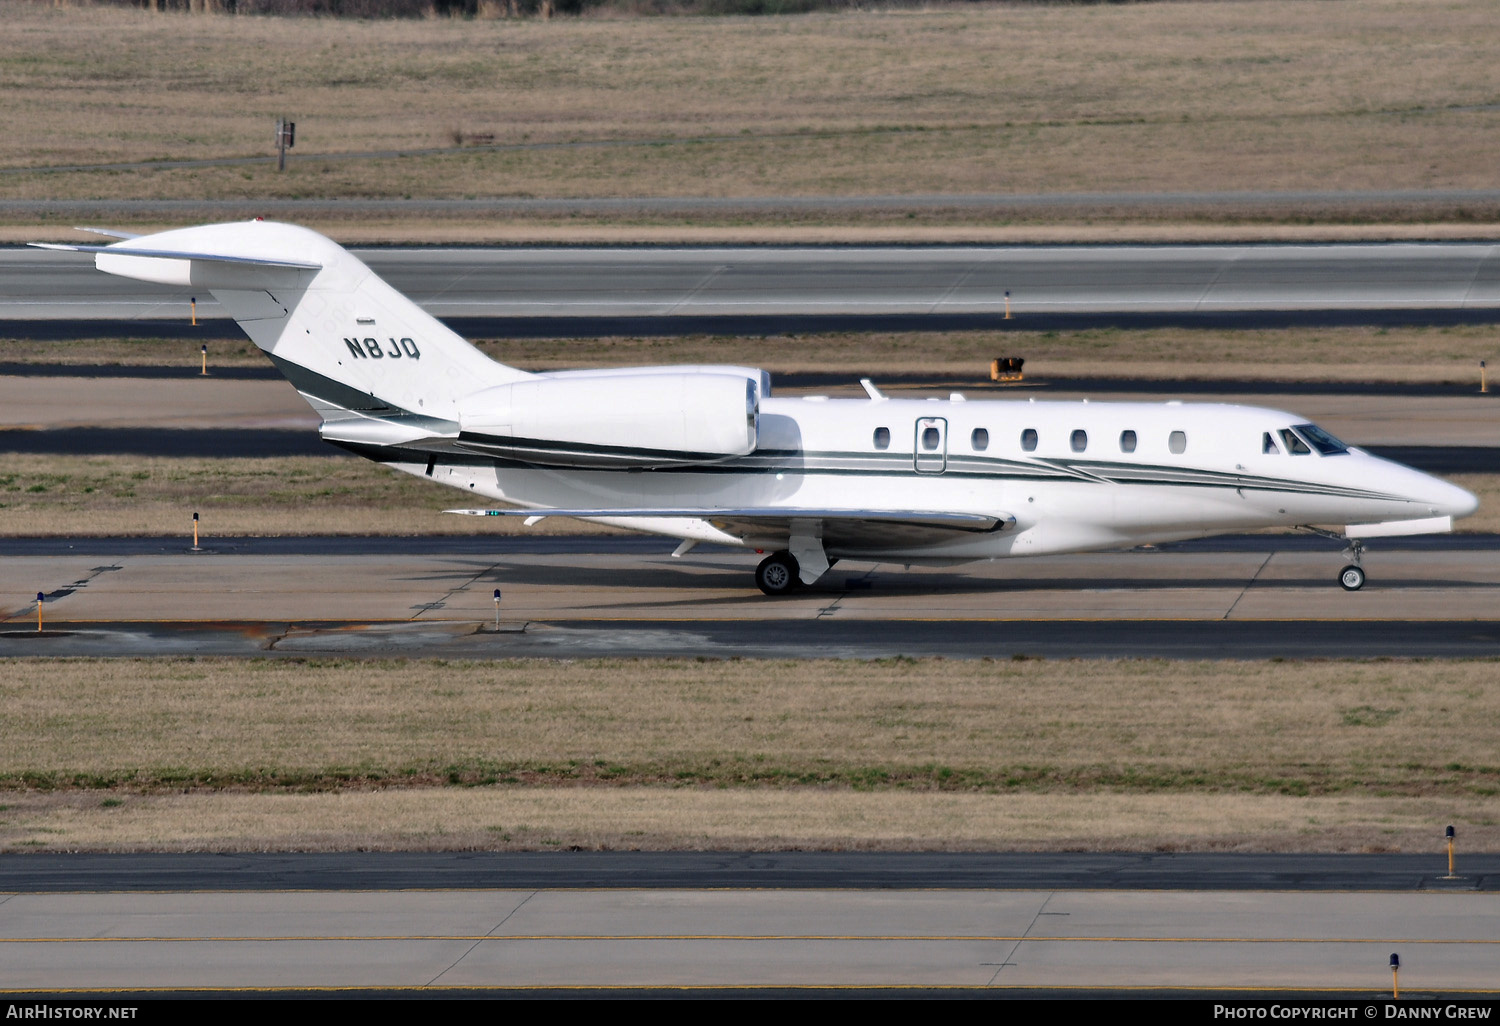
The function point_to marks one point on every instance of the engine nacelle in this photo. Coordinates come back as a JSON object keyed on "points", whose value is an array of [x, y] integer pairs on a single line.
{"points": [[657, 418]]}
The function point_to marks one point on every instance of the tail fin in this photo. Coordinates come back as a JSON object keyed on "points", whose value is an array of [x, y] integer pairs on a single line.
{"points": [[351, 344]]}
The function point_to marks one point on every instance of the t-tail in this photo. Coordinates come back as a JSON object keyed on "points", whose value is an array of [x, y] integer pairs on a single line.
{"points": [[368, 359]]}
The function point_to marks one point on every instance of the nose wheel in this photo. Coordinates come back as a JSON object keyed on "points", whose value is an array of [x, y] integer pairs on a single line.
{"points": [[1352, 577]]}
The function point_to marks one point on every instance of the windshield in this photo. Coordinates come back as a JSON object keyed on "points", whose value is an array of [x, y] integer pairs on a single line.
{"points": [[1320, 440]]}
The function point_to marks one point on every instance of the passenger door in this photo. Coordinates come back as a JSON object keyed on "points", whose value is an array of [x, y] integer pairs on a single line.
{"points": [[930, 454]]}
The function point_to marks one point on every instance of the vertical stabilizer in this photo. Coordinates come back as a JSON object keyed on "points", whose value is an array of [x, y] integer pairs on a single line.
{"points": [[351, 344]]}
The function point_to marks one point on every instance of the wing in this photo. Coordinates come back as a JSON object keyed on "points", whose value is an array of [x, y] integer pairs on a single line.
{"points": [[838, 528]]}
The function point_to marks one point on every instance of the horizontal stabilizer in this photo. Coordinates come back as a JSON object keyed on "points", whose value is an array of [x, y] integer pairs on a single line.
{"points": [[169, 254], [113, 233]]}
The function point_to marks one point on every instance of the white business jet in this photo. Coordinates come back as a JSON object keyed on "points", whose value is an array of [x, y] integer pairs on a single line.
{"points": [[706, 454]]}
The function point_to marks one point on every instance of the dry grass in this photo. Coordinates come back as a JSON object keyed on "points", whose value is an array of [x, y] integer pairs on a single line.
{"points": [[1378, 94], [1347, 354], [619, 753], [655, 818], [106, 496]]}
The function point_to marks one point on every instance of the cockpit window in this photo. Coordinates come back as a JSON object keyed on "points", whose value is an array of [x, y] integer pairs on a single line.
{"points": [[1268, 445], [1294, 445], [1321, 440]]}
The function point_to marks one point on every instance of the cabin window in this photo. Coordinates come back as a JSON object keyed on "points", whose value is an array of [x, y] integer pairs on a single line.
{"points": [[882, 438], [931, 436], [1294, 445], [1177, 442], [1268, 445], [1079, 440], [980, 439], [1127, 441], [1028, 440]]}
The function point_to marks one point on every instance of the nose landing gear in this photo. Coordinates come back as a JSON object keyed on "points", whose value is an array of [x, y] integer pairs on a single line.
{"points": [[1352, 577]]}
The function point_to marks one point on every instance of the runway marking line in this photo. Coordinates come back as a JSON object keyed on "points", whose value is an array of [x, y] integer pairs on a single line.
{"points": [[1426, 891], [335, 625], [714, 987], [937, 938]]}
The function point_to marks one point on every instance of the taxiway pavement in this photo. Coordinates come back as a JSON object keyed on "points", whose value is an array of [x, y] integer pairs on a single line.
{"points": [[1061, 941], [1247, 603]]}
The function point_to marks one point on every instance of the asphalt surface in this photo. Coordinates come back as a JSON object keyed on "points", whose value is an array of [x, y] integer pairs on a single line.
{"points": [[764, 639], [756, 290], [354, 871]]}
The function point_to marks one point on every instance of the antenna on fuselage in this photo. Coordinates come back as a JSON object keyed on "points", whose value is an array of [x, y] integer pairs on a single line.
{"points": [[874, 393]]}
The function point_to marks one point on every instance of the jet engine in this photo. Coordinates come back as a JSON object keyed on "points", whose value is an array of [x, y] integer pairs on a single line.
{"points": [[657, 418]]}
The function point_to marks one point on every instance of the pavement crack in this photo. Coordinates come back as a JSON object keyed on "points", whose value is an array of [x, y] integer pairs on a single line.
{"points": [[1008, 958], [427, 607], [1248, 585], [712, 277], [467, 951], [61, 592]]}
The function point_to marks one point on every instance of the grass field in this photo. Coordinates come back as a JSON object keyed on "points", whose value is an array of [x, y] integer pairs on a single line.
{"points": [[1323, 755], [1265, 95]]}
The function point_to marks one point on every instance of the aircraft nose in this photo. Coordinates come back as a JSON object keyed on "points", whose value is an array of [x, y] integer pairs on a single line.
{"points": [[1449, 500]]}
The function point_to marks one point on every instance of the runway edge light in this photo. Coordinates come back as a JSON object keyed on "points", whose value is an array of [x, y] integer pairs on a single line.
{"points": [[1451, 836], [1395, 976]]}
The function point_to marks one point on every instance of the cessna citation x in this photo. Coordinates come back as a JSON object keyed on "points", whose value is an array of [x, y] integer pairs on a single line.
{"points": [[706, 454]]}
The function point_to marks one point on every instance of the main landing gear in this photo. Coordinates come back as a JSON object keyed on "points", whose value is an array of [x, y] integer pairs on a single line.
{"points": [[1352, 577], [778, 574]]}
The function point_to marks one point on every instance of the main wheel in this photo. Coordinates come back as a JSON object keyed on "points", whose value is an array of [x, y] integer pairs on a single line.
{"points": [[777, 574], [1351, 578]]}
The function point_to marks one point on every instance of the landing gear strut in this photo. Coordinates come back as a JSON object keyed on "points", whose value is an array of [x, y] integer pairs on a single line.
{"points": [[777, 574], [1352, 577]]}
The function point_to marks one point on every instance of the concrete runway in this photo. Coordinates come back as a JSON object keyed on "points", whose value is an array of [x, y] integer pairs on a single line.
{"points": [[510, 284]]}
